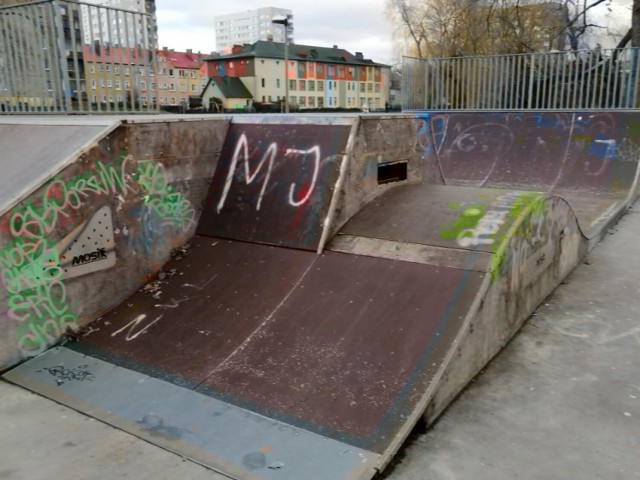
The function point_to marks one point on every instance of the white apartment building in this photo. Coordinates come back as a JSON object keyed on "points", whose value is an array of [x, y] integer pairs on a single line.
{"points": [[115, 27], [249, 27]]}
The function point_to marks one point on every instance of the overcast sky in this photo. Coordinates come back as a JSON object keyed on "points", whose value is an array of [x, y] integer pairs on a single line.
{"points": [[356, 25]]}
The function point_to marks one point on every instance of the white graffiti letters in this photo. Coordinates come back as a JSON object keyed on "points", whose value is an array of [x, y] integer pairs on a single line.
{"points": [[242, 147], [316, 151], [241, 154]]}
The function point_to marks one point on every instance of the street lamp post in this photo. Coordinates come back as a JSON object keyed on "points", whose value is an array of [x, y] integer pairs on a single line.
{"points": [[285, 20]]}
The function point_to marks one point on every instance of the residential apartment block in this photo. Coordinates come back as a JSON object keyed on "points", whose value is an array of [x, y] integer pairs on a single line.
{"points": [[126, 76], [317, 77], [249, 27], [119, 76], [49, 64], [179, 76]]}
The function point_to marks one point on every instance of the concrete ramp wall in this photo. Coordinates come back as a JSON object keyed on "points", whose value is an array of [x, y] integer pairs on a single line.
{"points": [[91, 212]]}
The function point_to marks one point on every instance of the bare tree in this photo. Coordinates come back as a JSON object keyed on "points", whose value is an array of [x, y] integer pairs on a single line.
{"points": [[468, 27]]}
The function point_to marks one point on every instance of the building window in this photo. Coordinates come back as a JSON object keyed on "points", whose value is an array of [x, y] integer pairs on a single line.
{"points": [[116, 69], [109, 83], [377, 88], [100, 67], [320, 86], [172, 87], [320, 102], [126, 70], [127, 84], [362, 88], [312, 85], [93, 84], [277, 83], [194, 88], [102, 83], [292, 84], [312, 101], [303, 85], [302, 101], [107, 67], [173, 100], [262, 83], [370, 87], [143, 85], [92, 68], [171, 72], [117, 82]]}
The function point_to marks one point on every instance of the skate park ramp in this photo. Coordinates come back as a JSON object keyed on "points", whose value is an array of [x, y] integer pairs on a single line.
{"points": [[587, 158], [344, 278]]}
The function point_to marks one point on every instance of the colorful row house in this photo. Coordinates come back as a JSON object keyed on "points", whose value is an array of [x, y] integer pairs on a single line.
{"points": [[119, 76], [317, 77], [179, 76], [125, 76]]}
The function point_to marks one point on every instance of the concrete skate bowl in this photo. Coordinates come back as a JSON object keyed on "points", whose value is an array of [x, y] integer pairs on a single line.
{"points": [[337, 288]]}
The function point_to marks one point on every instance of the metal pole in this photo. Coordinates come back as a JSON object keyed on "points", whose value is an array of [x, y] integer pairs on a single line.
{"points": [[286, 67]]}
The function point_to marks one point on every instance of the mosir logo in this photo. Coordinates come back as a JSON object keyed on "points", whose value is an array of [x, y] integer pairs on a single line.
{"points": [[99, 254]]}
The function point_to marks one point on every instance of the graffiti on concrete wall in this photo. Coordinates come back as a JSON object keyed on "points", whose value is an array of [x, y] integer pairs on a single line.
{"points": [[481, 224], [171, 206], [34, 264]]}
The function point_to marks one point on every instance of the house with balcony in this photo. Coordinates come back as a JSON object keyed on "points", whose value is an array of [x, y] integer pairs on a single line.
{"points": [[316, 77]]}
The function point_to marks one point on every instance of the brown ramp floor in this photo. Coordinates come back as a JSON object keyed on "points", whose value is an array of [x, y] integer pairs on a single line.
{"points": [[338, 349]]}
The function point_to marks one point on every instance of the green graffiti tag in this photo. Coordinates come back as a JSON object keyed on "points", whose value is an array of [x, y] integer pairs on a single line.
{"points": [[30, 267], [478, 225], [160, 197], [535, 204]]}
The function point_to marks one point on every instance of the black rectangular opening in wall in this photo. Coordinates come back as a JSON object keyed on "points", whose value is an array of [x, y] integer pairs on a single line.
{"points": [[392, 172]]}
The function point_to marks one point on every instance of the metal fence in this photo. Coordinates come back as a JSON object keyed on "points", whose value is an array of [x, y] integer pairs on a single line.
{"points": [[67, 56], [596, 79]]}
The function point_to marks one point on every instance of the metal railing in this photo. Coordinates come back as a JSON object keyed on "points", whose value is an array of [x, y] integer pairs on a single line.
{"points": [[594, 79], [67, 56]]}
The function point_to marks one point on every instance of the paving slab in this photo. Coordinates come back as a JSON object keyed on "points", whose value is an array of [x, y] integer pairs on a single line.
{"points": [[42, 440]]}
